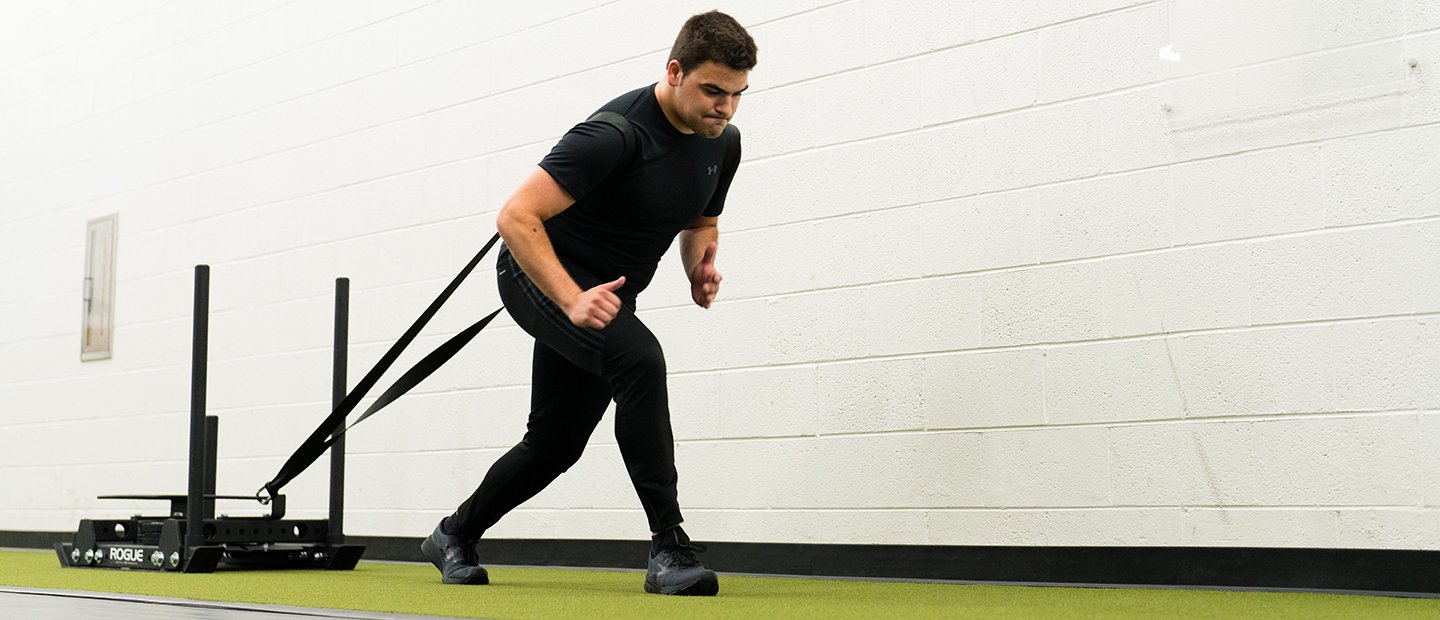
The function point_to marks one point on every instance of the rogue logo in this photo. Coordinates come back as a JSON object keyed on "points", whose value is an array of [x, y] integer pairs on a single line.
{"points": [[127, 554]]}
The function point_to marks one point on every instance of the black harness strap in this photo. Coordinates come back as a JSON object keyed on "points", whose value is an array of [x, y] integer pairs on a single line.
{"points": [[331, 428], [732, 146], [632, 144]]}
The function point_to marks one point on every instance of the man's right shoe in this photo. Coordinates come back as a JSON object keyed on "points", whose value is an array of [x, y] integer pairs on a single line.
{"points": [[674, 569], [455, 558]]}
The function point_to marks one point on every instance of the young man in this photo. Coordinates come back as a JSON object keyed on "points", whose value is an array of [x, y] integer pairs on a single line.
{"points": [[583, 236]]}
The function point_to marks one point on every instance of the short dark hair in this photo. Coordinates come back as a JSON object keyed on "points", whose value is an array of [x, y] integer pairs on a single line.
{"points": [[716, 37]]}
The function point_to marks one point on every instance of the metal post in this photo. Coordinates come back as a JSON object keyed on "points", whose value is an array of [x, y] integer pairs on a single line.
{"points": [[199, 354], [338, 389], [212, 449]]}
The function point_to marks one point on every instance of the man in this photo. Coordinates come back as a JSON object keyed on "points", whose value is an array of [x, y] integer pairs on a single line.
{"points": [[583, 236]]}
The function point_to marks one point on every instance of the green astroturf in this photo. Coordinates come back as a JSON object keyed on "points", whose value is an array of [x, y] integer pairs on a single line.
{"points": [[556, 593]]}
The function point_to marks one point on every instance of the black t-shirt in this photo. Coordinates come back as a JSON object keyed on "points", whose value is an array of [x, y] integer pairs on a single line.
{"points": [[626, 214]]}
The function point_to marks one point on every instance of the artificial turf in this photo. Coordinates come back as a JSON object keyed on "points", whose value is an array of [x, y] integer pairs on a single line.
{"points": [[559, 593]]}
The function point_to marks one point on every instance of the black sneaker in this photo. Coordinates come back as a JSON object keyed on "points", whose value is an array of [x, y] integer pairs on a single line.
{"points": [[674, 569], [455, 558]]}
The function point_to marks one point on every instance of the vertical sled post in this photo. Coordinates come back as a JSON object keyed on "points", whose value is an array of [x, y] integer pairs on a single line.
{"points": [[199, 354], [337, 394]]}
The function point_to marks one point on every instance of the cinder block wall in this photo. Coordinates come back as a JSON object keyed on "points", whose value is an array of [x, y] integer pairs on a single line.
{"points": [[1035, 273]]}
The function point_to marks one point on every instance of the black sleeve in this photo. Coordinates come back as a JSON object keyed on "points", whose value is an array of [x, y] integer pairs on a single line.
{"points": [[584, 157], [717, 201]]}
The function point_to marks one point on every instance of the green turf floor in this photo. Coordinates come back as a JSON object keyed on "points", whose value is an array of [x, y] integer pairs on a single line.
{"points": [[555, 593]]}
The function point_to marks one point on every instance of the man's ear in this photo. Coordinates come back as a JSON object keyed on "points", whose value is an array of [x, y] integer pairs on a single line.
{"points": [[673, 73]]}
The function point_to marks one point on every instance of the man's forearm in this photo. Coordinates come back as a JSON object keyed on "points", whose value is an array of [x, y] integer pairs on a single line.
{"points": [[693, 242], [525, 236]]}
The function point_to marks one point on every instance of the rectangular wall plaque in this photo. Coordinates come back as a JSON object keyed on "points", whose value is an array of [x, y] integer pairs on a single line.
{"points": [[99, 288]]}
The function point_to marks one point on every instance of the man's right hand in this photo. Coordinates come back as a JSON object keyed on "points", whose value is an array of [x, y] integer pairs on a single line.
{"points": [[595, 308]]}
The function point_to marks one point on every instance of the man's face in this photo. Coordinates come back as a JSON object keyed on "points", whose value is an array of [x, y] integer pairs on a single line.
{"points": [[707, 97]]}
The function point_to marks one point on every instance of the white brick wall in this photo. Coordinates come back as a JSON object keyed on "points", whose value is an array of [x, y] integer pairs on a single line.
{"points": [[997, 273]]}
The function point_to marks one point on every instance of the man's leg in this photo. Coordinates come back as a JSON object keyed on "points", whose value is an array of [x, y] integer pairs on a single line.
{"points": [[631, 368], [566, 403], [634, 366]]}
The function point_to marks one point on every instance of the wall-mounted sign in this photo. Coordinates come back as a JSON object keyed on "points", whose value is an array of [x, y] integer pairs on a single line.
{"points": [[99, 288]]}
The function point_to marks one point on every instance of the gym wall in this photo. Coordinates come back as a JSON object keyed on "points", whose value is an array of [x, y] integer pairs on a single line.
{"points": [[1024, 273]]}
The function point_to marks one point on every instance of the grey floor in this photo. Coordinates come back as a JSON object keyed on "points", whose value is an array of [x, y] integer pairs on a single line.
{"points": [[31, 603]]}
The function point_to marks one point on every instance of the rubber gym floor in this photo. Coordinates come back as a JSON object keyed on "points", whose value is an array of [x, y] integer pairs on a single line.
{"points": [[414, 589]]}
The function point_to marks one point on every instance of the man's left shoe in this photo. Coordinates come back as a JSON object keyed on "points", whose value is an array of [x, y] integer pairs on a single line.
{"points": [[674, 569]]}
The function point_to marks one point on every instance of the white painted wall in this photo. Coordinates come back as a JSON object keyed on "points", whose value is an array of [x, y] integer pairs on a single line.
{"points": [[996, 272]]}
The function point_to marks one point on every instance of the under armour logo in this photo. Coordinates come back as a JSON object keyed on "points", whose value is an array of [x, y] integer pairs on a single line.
{"points": [[714, 169]]}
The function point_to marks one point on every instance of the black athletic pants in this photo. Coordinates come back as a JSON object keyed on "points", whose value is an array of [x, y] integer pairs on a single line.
{"points": [[577, 371]]}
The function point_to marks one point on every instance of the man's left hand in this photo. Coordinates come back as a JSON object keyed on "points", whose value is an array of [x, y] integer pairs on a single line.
{"points": [[705, 279]]}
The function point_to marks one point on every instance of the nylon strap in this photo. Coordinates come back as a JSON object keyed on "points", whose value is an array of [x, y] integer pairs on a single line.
{"points": [[627, 132], [333, 426]]}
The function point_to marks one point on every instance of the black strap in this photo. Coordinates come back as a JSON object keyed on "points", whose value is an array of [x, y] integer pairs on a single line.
{"points": [[330, 429], [732, 147], [632, 143]]}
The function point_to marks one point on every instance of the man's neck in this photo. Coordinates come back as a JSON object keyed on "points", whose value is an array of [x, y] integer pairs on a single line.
{"points": [[662, 95]]}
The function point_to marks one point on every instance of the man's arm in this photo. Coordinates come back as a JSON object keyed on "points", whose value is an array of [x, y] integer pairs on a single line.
{"points": [[698, 244], [521, 224]]}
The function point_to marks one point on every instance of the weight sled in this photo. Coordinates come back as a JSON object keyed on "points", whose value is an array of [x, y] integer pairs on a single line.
{"points": [[188, 537]]}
